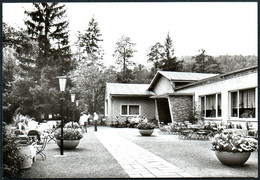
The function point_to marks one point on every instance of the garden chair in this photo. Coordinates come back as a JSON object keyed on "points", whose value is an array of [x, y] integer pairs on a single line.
{"points": [[41, 147], [50, 135], [34, 136]]}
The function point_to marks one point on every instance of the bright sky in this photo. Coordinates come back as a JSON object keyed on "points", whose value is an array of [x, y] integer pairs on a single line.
{"points": [[219, 28]]}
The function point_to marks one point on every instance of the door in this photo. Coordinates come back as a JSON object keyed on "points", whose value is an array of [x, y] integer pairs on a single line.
{"points": [[163, 111]]}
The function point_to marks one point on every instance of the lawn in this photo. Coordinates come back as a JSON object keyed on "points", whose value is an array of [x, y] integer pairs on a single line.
{"points": [[89, 160], [193, 156], [92, 160]]}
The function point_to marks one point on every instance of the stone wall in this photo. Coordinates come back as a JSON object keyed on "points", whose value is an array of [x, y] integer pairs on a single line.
{"points": [[181, 107]]}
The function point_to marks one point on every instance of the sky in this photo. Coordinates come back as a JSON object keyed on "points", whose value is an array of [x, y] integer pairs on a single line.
{"points": [[219, 28]]}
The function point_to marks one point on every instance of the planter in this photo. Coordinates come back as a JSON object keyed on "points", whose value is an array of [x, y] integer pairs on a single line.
{"points": [[68, 144], [231, 158], [146, 132], [25, 152]]}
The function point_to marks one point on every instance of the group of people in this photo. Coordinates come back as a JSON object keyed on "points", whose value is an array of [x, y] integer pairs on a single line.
{"points": [[85, 118]]}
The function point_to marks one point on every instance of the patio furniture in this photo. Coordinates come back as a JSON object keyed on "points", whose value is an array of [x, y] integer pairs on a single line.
{"points": [[50, 135], [34, 136], [41, 147]]}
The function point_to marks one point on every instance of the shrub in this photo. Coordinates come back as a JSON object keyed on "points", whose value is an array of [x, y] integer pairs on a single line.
{"points": [[145, 126], [68, 134], [72, 125], [11, 159]]}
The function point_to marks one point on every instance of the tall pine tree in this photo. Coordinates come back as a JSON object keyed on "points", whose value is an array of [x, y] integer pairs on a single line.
{"points": [[169, 62], [89, 46], [46, 24]]}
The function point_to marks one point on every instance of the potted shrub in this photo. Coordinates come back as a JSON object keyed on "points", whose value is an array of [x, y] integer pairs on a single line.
{"points": [[146, 129], [71, 137], [232, 149]]}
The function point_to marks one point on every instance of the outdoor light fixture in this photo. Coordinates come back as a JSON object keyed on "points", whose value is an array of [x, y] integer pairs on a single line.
{"points": [[62, 83], [73, 100], [77, 102], [72, 97]]}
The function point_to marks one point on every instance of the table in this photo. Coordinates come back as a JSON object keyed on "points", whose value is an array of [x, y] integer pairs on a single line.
{"points": [[242, 132]]}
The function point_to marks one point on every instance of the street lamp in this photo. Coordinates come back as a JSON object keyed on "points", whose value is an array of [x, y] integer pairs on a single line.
{"points": [[72, 100], [62, 83]]}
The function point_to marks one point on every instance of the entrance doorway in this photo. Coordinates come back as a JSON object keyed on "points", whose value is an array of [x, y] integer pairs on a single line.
{"points": [[163, 111]]}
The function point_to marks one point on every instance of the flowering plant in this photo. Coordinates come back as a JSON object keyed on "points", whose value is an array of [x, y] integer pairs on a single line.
{"points": [[68, 134], [145, 126], [233, 143]]}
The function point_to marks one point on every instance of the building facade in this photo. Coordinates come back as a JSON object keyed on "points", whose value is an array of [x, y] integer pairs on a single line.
{"points": [[177, 96]]}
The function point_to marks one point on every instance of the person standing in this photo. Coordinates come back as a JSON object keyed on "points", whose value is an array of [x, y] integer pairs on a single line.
{"points": [[95, 121], [81, 121], [85, 120]]}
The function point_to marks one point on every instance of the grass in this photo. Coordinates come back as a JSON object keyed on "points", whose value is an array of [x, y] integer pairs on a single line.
{"points": [[91, 160], [193, 156]]}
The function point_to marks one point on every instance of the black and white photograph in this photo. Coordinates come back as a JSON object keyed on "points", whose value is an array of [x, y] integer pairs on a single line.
{"points": [[129, 89]]}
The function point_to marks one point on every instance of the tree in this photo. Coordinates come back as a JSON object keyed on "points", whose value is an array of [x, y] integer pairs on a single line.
{"points": [[90, 84], [46, 24], [18, 69], [205, 63], [169, 61], [89, 43], [155, 55], [124, 50], [141, 75]]}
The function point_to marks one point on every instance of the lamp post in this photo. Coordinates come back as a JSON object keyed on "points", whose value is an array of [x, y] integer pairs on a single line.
{"points": [[62, 83], [72, 100]]}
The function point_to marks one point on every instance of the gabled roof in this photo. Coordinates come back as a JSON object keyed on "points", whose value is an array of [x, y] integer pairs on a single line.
{"points": [[124, 89], [179, 77]]}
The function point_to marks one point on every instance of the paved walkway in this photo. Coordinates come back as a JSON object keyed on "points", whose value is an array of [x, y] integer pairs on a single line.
{"points": [[136, 161]]}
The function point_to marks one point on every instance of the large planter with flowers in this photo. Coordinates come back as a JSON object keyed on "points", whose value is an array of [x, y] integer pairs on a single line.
{"points": [[233, 150], [71, 138], [146, 129]]}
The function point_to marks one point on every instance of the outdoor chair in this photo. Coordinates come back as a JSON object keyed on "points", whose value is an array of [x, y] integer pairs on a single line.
{"points": [[50, 135], [41, 147], [34, 136]]}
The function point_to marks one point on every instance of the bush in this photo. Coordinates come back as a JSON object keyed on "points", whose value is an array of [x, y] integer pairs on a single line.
{"points": [[68, 134], [11, 159], [145, 126]]}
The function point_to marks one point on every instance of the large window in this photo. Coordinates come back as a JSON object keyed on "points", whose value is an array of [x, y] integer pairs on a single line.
{"points": [[211, 105], [133, 110], [243, 103]]}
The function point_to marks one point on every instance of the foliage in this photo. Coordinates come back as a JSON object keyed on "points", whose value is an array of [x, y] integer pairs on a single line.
{"points": [[145, 126], [90, 83], [11, 158], [205, 63], [72, 125], [233, 143], [89, 43], [124, 50], [169, 62], [68, 134], [46, 24], [155, 55]]}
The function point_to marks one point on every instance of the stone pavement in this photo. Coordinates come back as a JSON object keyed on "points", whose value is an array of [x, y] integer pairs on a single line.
{"points": [[136, 161]]}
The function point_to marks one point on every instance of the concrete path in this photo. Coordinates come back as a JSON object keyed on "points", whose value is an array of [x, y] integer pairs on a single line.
{"points": [[136, 161]]}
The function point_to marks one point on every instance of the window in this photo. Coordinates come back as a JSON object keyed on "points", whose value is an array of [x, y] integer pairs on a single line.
{"points": [[124, 110], [243, 103], [133, 110], [211, 105], [130, 110]]}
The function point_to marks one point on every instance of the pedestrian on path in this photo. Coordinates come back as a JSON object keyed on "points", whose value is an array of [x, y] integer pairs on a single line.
{"points": [[85, 120], [95, 121], [81, 121]]}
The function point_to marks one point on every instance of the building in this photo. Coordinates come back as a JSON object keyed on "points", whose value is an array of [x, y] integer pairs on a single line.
{"points": [[176, 96]]}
